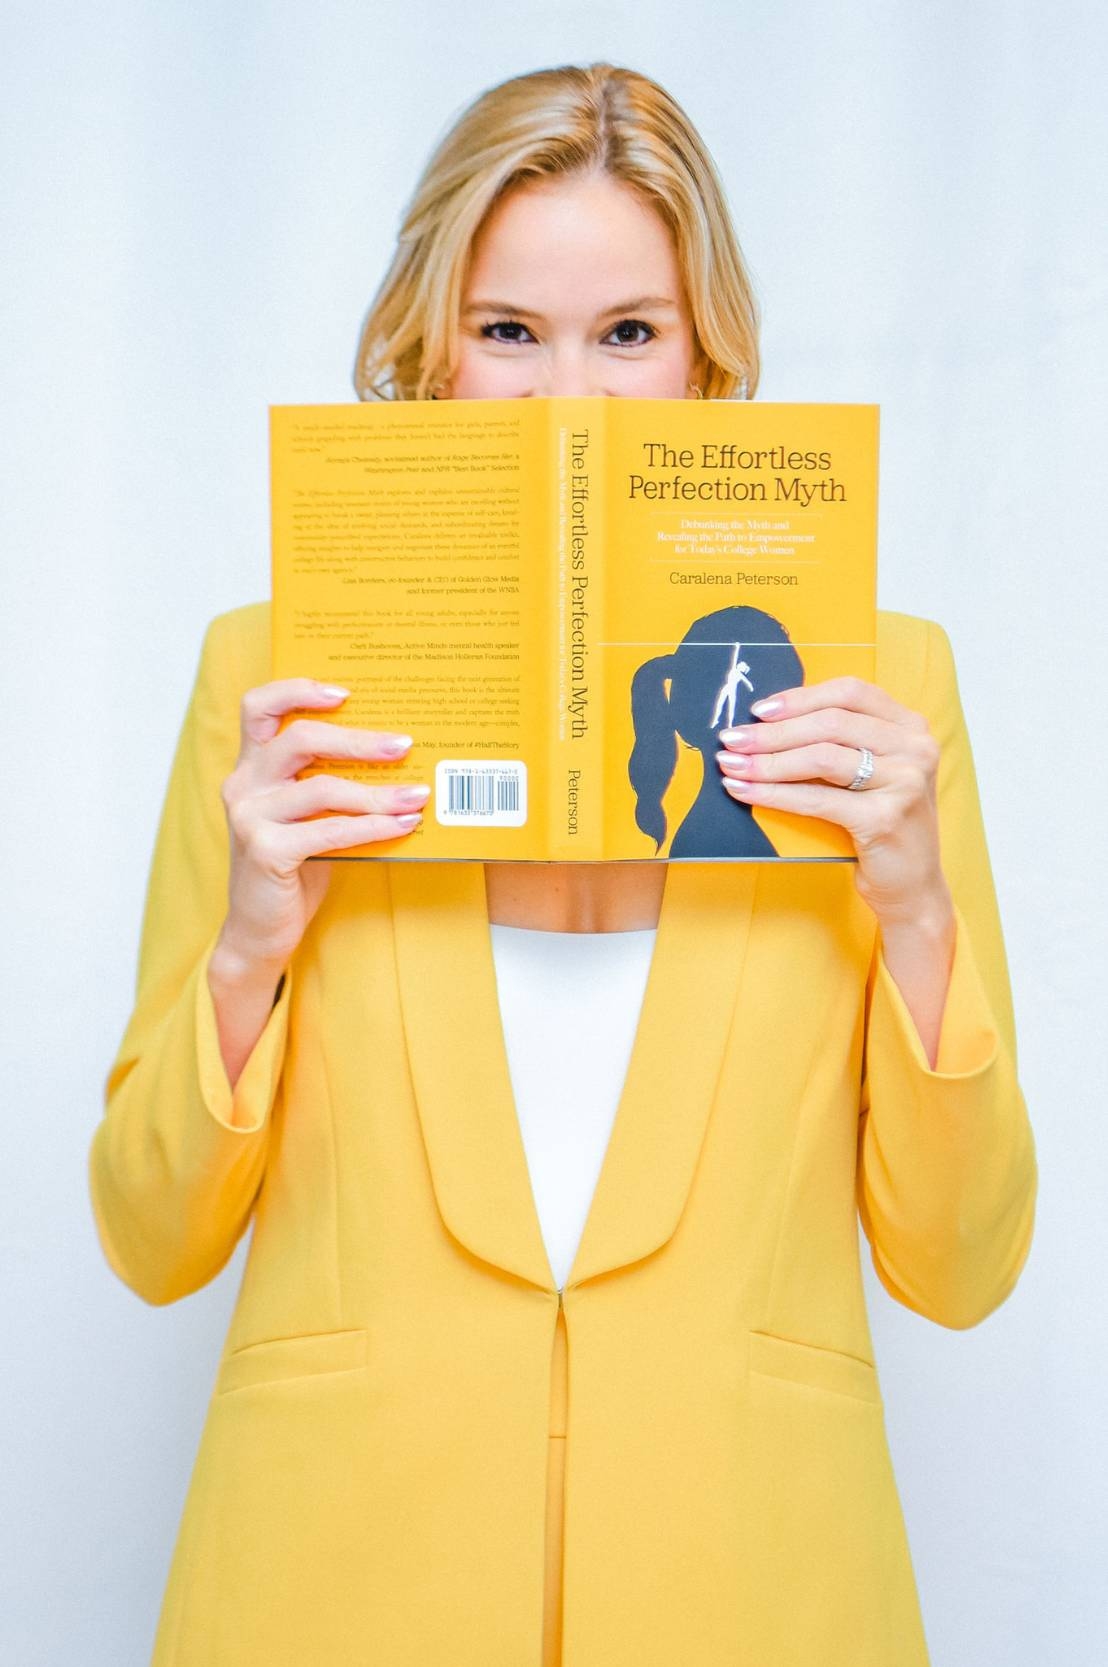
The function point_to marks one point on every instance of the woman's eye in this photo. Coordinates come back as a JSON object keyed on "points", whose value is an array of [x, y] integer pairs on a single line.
{"points": [[513, 325], [635, 324], [503, 324]]}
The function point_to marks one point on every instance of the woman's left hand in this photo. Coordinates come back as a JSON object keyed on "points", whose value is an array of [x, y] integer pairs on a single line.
{"points": [[803, 755]]}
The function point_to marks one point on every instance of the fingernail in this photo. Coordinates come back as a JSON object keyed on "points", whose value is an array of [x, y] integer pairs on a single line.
{"points": [[763, 708], [397, 743], [409, 822], [413, 795], [734, 760], [737, 789], [735, 737], [331, 691]]}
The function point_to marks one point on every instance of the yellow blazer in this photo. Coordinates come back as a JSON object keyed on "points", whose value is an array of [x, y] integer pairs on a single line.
{"points": [[374, 1481]]}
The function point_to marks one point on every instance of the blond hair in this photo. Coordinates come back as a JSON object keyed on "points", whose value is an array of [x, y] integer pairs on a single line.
{"points": [[557, 123]]}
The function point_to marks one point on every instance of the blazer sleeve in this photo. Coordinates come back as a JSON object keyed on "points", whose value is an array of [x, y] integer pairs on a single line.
{"points": [[176, 1161], [947, 1175]]}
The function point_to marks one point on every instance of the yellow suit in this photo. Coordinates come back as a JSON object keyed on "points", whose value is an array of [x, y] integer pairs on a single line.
{"points": [[376, 1483]]}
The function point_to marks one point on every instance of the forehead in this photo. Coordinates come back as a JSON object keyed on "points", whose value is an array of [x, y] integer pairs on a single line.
{"points": [[574, 237]]}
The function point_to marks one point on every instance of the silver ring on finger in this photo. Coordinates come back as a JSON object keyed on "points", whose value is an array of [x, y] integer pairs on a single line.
{"points": [[865, 770]]}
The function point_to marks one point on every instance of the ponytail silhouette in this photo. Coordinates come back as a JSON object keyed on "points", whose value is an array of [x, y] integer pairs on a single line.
{"points": [[725, 661]]}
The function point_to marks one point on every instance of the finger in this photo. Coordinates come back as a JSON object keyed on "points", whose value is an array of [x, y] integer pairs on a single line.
{"points": [[294, 800], [832, 804], [338, 833], [835, 725], [307, 739], [263, 707], [824, 761], [853, 693]]}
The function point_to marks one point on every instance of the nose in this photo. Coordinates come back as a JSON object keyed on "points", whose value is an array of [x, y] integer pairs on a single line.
{"points": [[568, 374]]}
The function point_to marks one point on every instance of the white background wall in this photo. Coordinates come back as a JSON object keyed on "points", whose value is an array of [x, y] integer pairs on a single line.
{"points": [[199, 200]]}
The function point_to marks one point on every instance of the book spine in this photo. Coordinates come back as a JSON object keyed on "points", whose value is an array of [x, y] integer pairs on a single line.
{"points": [[576, 752]]}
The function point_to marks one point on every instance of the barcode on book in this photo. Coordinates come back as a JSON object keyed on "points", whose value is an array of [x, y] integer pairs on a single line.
{"points": [[490, 793]]}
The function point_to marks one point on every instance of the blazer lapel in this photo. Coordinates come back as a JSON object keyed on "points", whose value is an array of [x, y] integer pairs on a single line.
{"points": [[459, 1065], [674, 1068], [463, 1086]]}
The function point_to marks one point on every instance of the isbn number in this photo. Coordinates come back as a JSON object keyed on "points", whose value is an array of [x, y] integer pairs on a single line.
{"points": [[491, 792]]}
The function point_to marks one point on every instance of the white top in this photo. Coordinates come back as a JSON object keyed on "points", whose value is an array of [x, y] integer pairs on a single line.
{"points": [[569, 1005]]}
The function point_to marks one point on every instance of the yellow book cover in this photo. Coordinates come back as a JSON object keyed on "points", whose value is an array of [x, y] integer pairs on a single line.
{"points": [[563, 600]]}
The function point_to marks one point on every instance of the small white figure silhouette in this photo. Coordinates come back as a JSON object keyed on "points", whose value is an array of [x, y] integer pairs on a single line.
{"points": [[736, 674]]}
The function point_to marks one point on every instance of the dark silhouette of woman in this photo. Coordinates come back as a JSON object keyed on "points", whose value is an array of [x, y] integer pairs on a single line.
{"points": [[725, 661]]}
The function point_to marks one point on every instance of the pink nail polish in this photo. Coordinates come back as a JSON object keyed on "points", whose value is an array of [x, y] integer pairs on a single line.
{"points": [[764, 708], [394, 745]]}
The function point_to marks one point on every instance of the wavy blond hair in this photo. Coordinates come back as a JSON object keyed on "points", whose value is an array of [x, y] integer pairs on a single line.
{"points": [[556, 123]]}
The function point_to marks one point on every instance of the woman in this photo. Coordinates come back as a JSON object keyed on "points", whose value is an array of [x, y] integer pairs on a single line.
{"points": [[693, 693], [424, 1446]]}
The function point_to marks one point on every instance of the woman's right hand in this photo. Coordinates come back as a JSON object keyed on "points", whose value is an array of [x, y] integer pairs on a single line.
{"points": [[273, 891]]}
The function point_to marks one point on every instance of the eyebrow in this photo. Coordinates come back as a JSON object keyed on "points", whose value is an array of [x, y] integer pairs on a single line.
{"points": [[640, 302]]}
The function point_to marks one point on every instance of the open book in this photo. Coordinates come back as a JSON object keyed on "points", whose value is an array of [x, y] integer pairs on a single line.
{"points": [[563, 600]]}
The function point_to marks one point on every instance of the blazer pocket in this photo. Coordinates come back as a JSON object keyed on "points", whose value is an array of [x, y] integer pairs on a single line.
{"points": [[813, 1366], [311, 1354]]}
